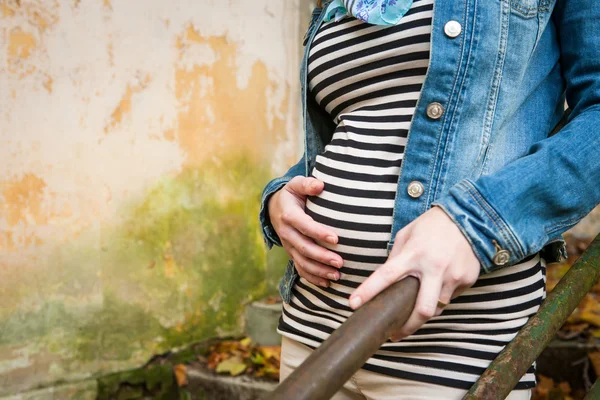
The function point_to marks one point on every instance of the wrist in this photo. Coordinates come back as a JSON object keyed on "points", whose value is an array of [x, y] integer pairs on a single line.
{"points": [[271, 204]]}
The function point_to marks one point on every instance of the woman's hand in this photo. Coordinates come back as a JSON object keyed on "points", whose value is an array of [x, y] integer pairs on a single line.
{"points": [[434, 250], [298, 231]]}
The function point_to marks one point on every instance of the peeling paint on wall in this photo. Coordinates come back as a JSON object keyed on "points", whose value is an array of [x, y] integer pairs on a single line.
{"points": [[124, 106], [23, 39], [218, 116], [20, 44], [22, 201], [136, 138], [23, 206]]}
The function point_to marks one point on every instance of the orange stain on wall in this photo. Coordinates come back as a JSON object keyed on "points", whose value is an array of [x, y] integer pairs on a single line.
{"points": [[6, 10], [40, 21], [23, 201], [217, 116], [23, 42], [6, 241], [25, 204], [124, 106], [48, 83], [20, 43]]}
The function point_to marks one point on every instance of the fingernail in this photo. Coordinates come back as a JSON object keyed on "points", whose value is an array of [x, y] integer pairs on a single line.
{"points": [[355, 302], [324, 283], [331, 239], [335, 263], [314, 185], [332, 276]]}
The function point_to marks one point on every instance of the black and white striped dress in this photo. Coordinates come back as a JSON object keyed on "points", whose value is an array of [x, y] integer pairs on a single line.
{"points": [[368, 78]]}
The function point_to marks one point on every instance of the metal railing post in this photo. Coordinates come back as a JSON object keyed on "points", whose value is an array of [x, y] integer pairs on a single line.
{"points": [[504, 372]]}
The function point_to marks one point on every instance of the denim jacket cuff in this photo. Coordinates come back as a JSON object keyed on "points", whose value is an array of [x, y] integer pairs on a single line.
{"points": [[491, 238], [270, 237]]}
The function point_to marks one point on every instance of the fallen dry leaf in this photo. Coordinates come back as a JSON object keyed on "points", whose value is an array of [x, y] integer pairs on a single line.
{"points": [[547, 389], [234, 366], [272, 300], [180, 374], [595, 333], [565, 387], [270, 352], [544, 386]]}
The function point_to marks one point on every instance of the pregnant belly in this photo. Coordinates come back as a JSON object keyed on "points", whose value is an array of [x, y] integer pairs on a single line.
{"points": [[358, 206]]}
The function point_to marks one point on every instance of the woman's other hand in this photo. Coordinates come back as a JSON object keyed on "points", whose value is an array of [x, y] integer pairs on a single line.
{"points": [[434, 250], [300, 234]]}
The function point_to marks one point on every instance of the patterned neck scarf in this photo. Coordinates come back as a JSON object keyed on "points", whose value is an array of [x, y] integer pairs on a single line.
{"points": [[376, 12]]}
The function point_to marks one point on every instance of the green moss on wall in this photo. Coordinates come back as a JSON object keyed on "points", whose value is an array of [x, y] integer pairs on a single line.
{"points": [[178, 267]]}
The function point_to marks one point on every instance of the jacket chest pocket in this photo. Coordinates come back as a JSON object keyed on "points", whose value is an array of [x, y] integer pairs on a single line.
{"points": [[531, 8], [529, 19]]}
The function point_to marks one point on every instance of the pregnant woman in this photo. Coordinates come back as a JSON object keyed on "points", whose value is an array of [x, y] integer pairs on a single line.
{"points": [[429, 153]]}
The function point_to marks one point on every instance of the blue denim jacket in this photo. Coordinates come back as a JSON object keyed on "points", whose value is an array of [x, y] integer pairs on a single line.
{"points": [[481, 142]]}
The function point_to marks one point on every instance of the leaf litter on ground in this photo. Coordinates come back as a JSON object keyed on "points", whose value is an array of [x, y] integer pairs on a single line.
{"points": [[235, 357]]}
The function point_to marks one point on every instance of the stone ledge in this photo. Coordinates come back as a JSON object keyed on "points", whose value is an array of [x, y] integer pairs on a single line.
{"points": [[86, 390], [204, 384]]}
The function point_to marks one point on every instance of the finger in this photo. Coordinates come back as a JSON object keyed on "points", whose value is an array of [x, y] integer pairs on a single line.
{"points": [[315, 280], [314, 268], [457, 288], [390, 272], [446, 295], [306, 225], [425, 306], [305, 186], [312, 250]]}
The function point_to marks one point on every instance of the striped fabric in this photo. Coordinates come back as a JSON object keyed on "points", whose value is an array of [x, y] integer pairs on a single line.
{"points": [[368, 78]]}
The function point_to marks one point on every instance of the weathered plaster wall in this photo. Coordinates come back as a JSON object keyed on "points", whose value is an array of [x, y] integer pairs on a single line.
{"points": [[135, 138]]}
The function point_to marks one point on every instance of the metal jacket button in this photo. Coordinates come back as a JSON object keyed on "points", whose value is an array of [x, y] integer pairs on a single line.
{"points": [[502, 257], [415, 189], [452, 29], [435, 110]]}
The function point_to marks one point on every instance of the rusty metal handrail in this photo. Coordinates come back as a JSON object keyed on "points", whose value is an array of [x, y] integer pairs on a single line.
{"points": [[326, 370], [504, 372]]}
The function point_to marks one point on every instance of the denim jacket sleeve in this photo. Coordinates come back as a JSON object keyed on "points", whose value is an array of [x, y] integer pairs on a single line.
{"points": [[534, 199], [269, 235]]}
